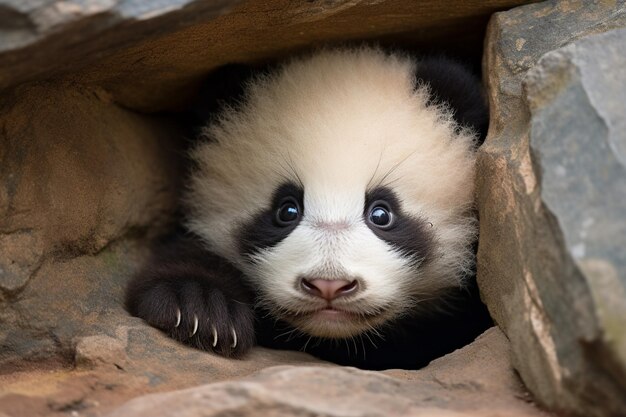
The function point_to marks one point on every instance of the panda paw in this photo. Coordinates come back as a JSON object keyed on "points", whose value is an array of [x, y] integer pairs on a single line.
{"points": [[193, 310]]}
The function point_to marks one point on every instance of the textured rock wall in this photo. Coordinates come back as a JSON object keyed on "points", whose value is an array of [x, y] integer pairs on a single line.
{"points": [[552, 187], [151, 55], [77, 174]]}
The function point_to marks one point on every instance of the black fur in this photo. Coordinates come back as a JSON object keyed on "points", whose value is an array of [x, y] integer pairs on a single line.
{"points": [[181, 275], [410, 235], [451, 83], [262, 231], [224, 87]]}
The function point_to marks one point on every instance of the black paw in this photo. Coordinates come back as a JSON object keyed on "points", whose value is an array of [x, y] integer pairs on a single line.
{"points": [[192, 305]]}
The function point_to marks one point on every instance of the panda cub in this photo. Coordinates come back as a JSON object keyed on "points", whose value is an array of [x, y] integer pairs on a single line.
{"points": [[330, 210]]}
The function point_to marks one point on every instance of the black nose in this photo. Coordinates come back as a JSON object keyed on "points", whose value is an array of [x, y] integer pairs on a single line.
{"points": [[329, 289]]}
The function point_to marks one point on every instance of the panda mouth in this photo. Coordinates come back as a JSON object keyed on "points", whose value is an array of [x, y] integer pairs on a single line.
{"points": [[335, 322], [333, 312], [332, 320]]}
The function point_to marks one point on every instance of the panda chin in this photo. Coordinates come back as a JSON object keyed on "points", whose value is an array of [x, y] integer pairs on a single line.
{"points": [[335, 323]]}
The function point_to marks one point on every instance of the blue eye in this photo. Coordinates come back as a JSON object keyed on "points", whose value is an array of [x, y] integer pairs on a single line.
{"points": [[287, 213], [380, 215]]}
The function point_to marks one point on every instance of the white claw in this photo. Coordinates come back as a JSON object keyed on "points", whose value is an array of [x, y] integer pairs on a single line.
{"points": [[214, 333], [177, 318], [234, 345], [195, 325]]}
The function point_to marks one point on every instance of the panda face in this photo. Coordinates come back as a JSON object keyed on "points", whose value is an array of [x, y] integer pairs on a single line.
{"points": [[340, 191], [336, 265]]}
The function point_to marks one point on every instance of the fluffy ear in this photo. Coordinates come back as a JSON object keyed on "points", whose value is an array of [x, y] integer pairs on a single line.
{"points": [[454, 84]]}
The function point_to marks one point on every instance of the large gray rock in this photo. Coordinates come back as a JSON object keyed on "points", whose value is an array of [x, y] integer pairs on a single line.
{"points": [[552, 257], [577, 96], [26, 22]]}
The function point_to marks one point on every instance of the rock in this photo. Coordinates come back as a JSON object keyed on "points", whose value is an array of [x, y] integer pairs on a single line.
{"points": [[92, 351], [42, 38], [151, 55], [475, 381], [126, 359], [551, 261], [578, 137], [77, 175]]}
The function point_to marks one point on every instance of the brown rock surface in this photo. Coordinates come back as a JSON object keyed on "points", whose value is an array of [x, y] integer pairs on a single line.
{"points": [[125, 360], [151, 55], [553, 283], [475, 381], [77, 176]]}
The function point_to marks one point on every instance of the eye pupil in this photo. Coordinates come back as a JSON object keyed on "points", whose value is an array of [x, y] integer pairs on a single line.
{"points": [[380, 216], [287, 213]]}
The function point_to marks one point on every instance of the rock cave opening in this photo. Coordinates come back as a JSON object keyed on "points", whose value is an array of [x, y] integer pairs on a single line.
{"points": [[105, 125], [108, 128], [187, 114], [94, 125]]}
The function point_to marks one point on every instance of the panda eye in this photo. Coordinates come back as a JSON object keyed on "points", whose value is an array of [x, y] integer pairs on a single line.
{"points": [[288, 212], [380, 215]]}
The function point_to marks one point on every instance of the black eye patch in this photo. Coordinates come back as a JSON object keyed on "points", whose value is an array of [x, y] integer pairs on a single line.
{"points": [[410, 235], [262, 231]]}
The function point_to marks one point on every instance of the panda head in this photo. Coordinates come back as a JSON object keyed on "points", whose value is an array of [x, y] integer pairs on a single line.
{"points": [[342, 186]]}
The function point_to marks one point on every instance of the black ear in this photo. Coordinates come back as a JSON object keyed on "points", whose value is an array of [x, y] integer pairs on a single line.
{"points": [[454, 84]]}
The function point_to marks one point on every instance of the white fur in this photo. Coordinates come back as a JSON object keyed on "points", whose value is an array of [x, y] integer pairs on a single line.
{"points": [[341, 122]]}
